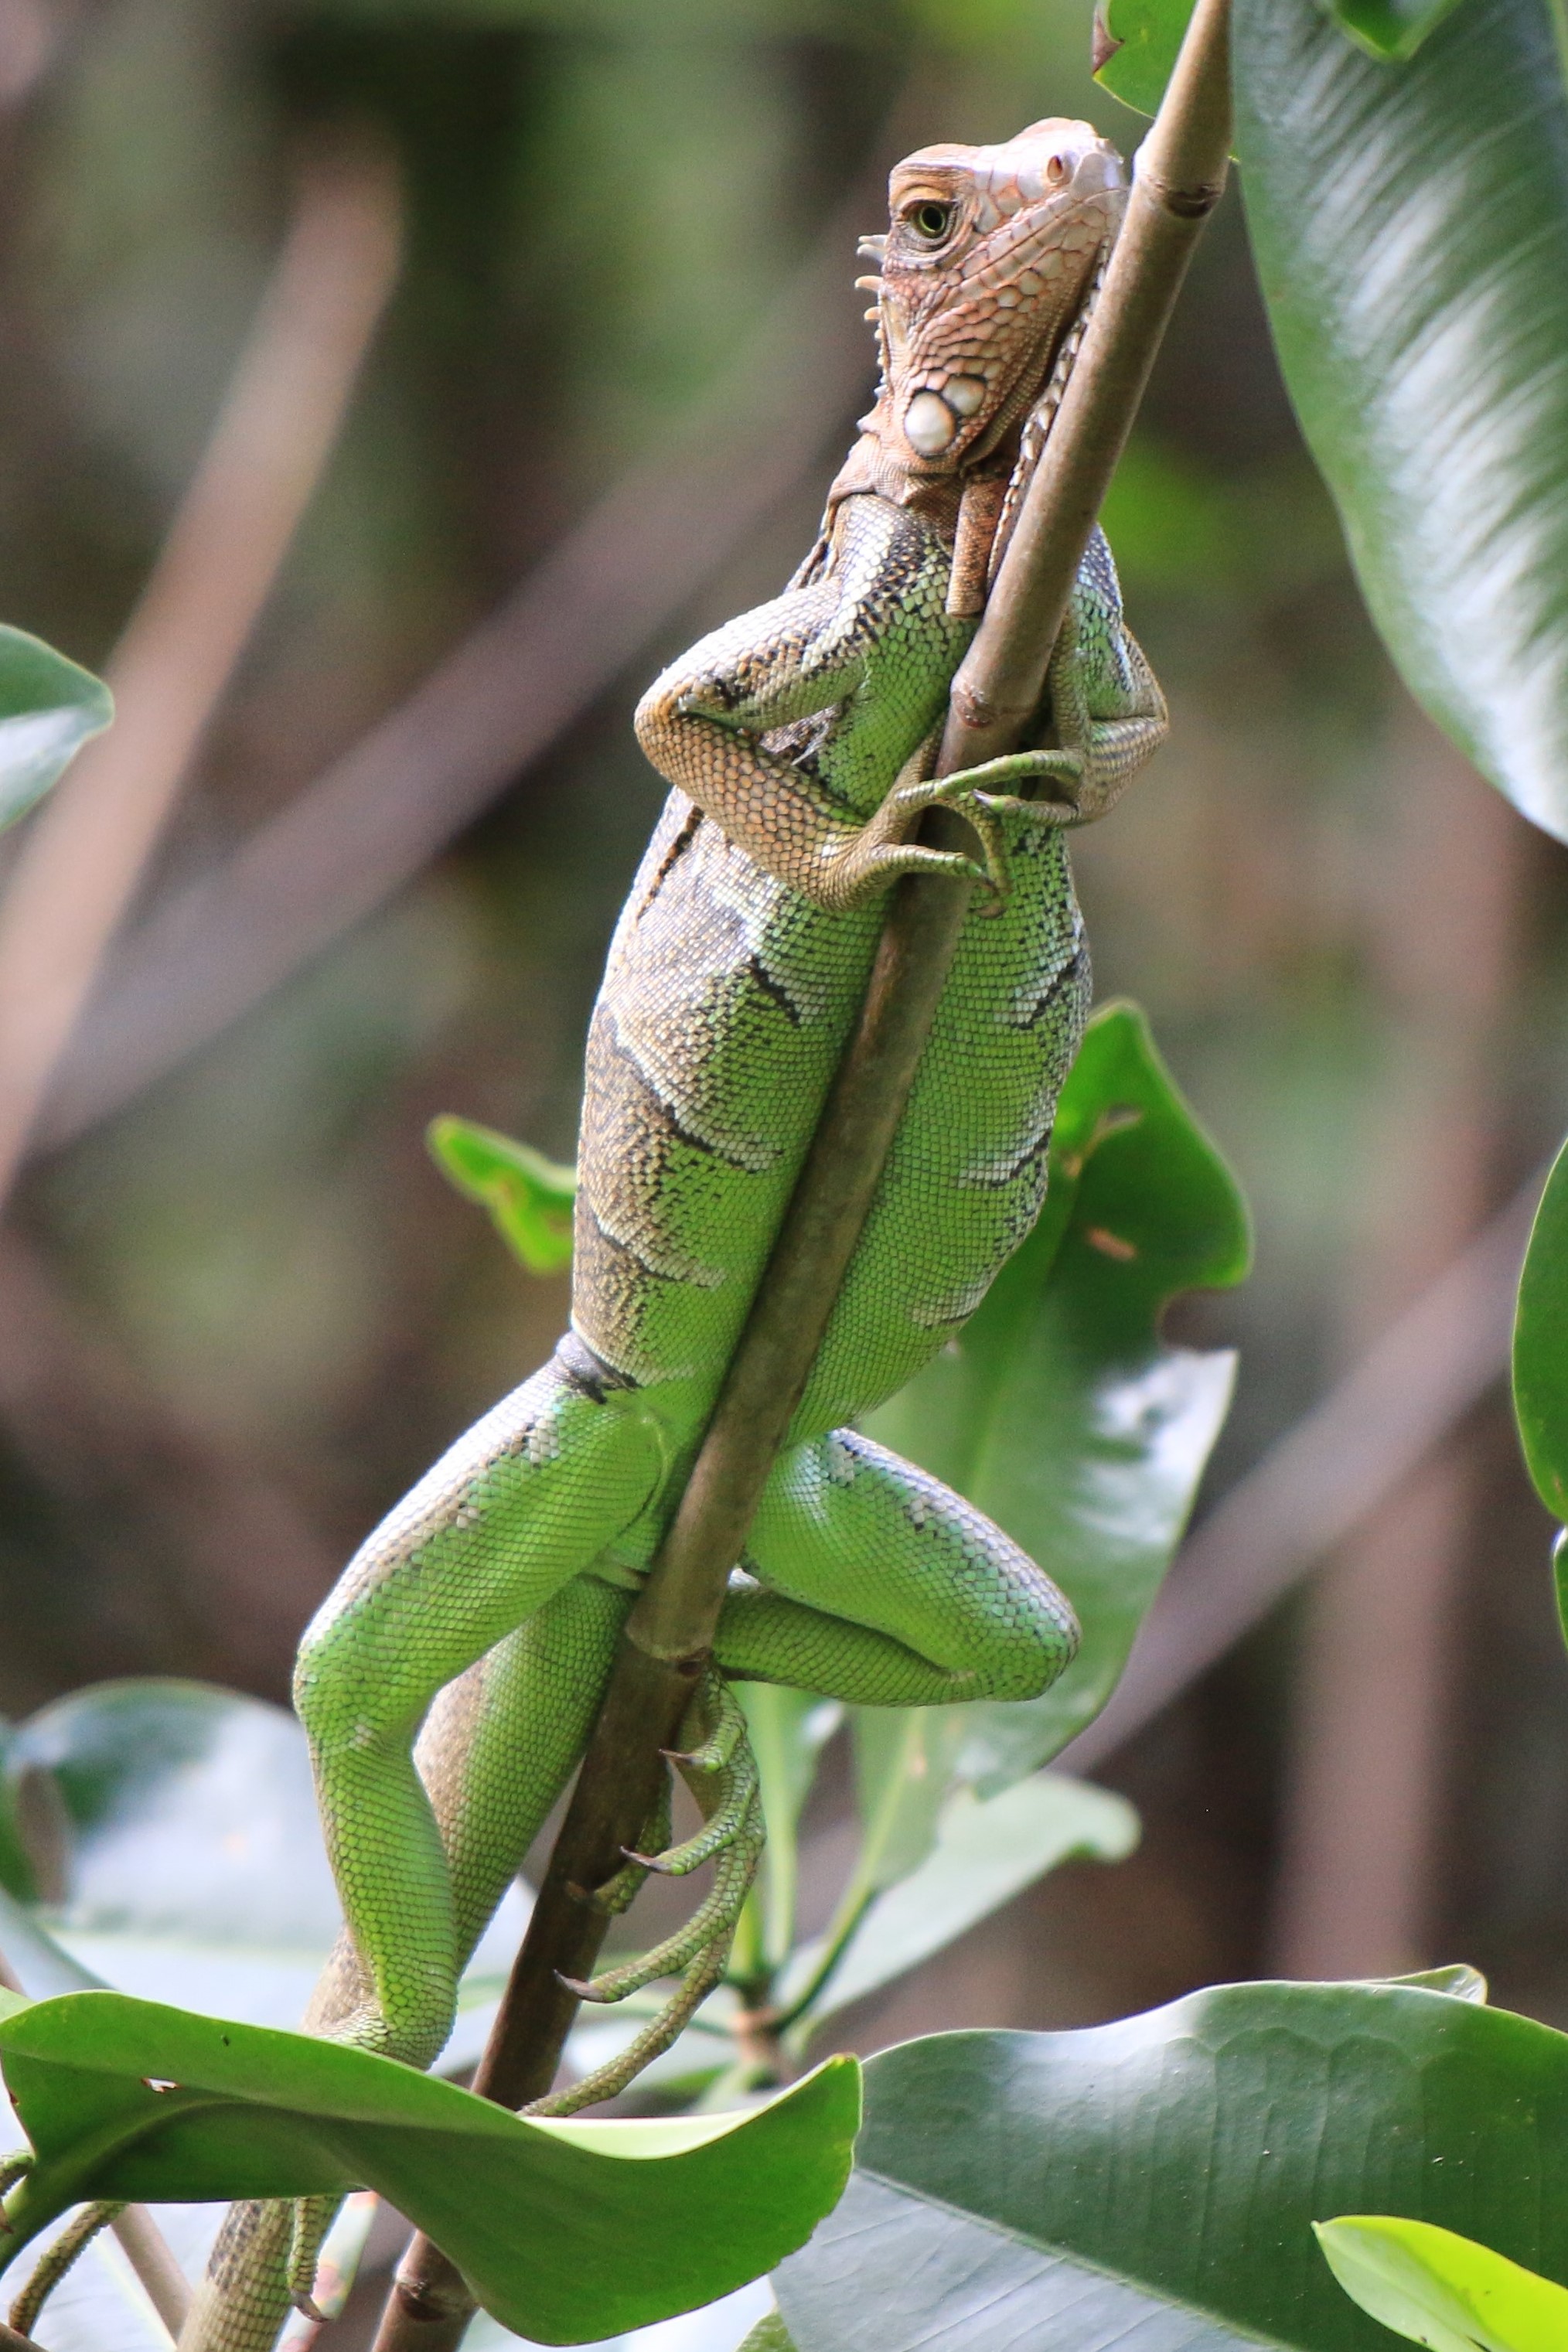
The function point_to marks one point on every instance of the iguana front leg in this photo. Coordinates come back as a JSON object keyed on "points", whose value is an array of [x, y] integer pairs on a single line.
{"points": [[705, 724], [868, 642]]}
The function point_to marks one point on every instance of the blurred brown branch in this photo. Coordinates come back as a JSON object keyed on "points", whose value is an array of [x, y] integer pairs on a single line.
{"points": [[378, 815], [86, 850]]}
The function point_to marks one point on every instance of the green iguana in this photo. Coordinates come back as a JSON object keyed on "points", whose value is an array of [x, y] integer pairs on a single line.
{"points": [[479, 1619]]}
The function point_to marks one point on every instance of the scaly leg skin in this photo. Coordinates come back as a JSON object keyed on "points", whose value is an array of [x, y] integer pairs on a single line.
{"points": [[878, 1585], [875, 1583], [497, 1748], [516, 1510]]}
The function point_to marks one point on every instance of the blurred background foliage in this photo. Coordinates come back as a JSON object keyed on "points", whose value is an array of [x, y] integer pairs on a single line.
{"points": [[240, 1314]]}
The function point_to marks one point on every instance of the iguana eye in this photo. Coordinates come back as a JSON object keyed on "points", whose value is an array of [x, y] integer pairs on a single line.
{"points": [[931, 219]]}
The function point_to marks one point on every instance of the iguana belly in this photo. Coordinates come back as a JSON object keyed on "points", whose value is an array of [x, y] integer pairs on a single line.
{"points": [[727, 1003]]}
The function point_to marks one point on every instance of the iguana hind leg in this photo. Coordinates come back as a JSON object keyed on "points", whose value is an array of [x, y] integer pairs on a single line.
{"points": [[879, 1585], [515, 1511]]}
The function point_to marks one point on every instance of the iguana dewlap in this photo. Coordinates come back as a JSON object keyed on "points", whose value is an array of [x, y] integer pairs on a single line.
{"points": [[798, 741]]}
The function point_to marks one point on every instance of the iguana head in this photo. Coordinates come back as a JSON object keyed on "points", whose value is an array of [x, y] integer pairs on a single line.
{"points": [[987, 263]]}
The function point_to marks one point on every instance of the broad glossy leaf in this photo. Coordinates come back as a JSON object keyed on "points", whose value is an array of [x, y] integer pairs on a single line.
{"points": [[986, 1851], [723, 2326], [529, 1197], [1409, 227], [188, 1813], [189, 1856], [126, 2099], [1061, 1410], [1154, 2181], [1540, 1345], [1135, 46], [48, 709], [1443, 2290]]}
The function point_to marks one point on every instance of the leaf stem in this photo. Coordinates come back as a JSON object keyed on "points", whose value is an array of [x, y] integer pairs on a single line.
{"points": [[1179, 175]]}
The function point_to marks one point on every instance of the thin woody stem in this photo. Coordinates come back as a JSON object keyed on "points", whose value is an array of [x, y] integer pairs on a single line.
{"points": [[670, 1629]]}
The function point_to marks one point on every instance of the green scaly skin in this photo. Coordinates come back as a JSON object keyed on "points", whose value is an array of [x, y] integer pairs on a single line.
{"points": [[799, 739]]}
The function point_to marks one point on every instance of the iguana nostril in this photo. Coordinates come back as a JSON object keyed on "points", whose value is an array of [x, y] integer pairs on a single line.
{"points": [[929, 423]]}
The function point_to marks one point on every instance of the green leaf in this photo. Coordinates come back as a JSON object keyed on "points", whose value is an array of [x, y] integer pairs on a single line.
{"points": [[48, 709], [187, 1813], [1540, 1345], [1390, 29], [529, 1197], [769, 2334], [1061, 1410], [126, 2099], [188, 1857], [1409, 226], [1154, 2181], [1443, 2290], [986, 1851], [1135, 46], [903, 1766]]}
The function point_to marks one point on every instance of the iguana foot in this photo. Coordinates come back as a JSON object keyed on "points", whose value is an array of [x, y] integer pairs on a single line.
{"points": [[880, 852], [721, 1773], [971, 794], [56, 2260]]}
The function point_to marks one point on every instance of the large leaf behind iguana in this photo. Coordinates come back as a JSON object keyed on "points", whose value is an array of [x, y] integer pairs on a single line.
{"points": [[1409, 217], [1154, 2181], [1060, 1408]]}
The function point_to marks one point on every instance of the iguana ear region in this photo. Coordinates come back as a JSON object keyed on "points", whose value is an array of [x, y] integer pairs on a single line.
{"points": [[986, 263]]}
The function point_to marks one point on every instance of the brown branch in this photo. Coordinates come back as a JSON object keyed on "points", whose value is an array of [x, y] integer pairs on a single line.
{"points": [[89, 847], [671, 1625]]}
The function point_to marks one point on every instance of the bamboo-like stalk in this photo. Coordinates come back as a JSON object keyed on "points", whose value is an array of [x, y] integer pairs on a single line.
{"points": [[1179, 177]]}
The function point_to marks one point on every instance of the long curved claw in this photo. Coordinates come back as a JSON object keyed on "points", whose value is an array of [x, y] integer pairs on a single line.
{"points": [[607, 2082], [618, 1894], [723, 1824], [721, 1771], [714, 1920], [56, 2260], [727, 1733]]}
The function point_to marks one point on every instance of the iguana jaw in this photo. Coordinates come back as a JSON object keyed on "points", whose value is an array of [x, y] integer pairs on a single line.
{"points": [[989, 258]]}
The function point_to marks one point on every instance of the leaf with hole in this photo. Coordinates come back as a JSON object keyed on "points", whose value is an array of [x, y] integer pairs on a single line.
{"points": [[126, 2099]]}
